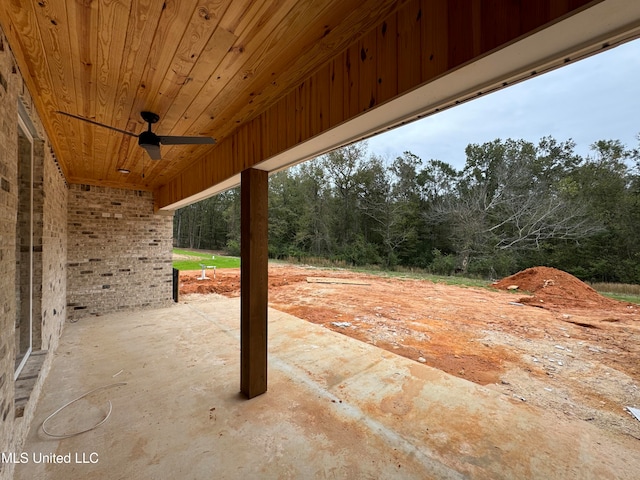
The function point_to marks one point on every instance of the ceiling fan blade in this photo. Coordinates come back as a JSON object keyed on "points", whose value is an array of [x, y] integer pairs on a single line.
{"points": [[153, 151], [172, 140], [95, 123]]}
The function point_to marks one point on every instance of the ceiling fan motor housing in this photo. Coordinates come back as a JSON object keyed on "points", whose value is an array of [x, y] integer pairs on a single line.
{"points": [[148, 139]]}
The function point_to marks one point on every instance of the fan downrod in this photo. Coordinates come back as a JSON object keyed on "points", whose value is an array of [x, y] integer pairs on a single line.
{"points": [[150, 117]]}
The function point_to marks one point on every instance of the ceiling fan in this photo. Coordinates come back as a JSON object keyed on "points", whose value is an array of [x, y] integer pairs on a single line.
{"points": [[149, 140]]}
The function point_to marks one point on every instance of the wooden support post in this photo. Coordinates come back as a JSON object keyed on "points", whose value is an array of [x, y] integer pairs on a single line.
{"points": [[253, 282]]}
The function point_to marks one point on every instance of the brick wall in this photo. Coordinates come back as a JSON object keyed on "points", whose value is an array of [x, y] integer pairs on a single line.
{"points": [[9, 87], [119, 251], [50, 193], [54, 253]]}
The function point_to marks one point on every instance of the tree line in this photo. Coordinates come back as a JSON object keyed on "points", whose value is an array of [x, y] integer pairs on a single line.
{"points": [[513, 205]]}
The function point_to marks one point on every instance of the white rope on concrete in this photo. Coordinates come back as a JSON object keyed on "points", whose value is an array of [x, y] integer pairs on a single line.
{"points": [[67, 435]]}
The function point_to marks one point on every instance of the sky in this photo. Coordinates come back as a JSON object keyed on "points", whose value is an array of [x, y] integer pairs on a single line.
{"points": [[597, 98]]}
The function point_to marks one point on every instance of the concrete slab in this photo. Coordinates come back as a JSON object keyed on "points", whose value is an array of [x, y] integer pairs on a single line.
{"points": [[336, 408]]}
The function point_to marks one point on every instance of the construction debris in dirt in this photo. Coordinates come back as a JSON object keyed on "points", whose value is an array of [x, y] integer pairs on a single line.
{"points": [[635, 412]]}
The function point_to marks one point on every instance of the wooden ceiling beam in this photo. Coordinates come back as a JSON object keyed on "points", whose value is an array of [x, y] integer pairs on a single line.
{"points": [[412, 46]]}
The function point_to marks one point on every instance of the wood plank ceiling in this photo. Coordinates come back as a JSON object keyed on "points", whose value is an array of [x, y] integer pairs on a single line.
{"points": [[204, 66]]}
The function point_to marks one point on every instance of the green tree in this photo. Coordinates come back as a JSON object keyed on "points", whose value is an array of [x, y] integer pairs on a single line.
{"points": [[384, 218], [343, 168], [313, 235], [231, 214], [506, 199], [606, 183], [285, 209]]}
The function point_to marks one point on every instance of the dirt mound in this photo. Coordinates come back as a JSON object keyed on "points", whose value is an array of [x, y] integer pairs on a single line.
{"points": [[553, 288]]}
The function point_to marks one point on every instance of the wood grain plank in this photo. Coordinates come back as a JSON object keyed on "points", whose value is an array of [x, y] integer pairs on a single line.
{"points": [[215, 50], [232, 67], [194, 46], [534, 14], [220, 43], [498, 23], [282, 126], [227, 163], [367, 71], [267, 140], [434, 51], [300, 112], [558, 7], [252, 43], [476, 26], [313, 109], [125, 157], [239, 15], [290, 117], [191, 52], [340, 72], [228, 123], [410, 20], [336, 74], [386, 52], [52, 25], [460, 34], [323, 99], [350, 84], [112, 19], [168, 34], [255, 131], [83, 25], [52, 21]]}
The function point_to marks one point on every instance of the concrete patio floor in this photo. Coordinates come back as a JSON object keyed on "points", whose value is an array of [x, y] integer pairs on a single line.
{"points": [[336, 408]]}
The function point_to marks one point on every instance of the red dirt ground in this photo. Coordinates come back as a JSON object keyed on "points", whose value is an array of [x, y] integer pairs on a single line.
{"points": [[578, 354]]}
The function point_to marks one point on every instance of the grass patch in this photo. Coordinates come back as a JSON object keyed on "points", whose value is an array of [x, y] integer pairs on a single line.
{"points": [[622, 297], [197, 258], [446, 280], [413, 273], [625, 292], [619, 288]]}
